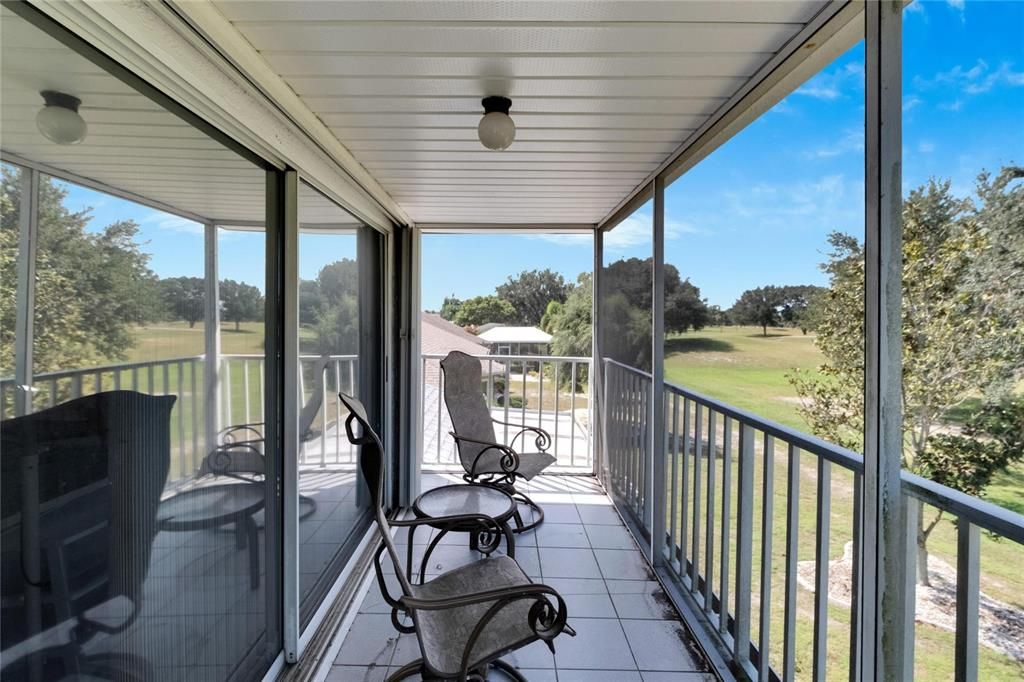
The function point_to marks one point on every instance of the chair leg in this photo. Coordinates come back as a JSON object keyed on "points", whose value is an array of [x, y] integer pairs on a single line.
{"points": [[538, 512]]}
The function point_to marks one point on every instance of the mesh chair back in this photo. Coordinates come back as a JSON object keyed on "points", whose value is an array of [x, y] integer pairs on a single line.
{"points": [[102, 463], [371, 463], [467, 405]]}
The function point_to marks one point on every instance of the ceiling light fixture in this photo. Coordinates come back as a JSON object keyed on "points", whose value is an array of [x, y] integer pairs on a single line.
{"points": [[59, 120], [497, 130]]}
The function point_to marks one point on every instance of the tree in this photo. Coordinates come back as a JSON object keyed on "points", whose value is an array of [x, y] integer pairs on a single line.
{"points": [[571, 326], [796, 305], [530, 292], [450, 308], [760, 306], [551, 315], [633, 278], [484, 309], [240, 302], [955, 344], [184, 298], [92, 286]]}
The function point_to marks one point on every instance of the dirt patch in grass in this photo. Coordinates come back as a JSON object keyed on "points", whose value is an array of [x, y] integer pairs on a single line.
{"points": [[1000, 625]]}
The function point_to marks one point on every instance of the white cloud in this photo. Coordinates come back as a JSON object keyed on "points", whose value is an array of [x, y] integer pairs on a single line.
{"points": [[911, 102], [636, 230], [832, 84], [974, 80], [166, 221], [956, 4], [926, 146], [852, 140]]}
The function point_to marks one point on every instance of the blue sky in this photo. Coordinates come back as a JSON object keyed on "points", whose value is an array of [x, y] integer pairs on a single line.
{"points": [[755, 212]]}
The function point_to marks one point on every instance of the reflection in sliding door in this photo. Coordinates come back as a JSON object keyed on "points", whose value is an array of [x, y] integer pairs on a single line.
{"points": [[339, 351]]}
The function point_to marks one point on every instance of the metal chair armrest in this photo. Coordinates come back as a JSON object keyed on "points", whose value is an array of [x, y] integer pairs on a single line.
{"points": [[509, 461], [543, 438]]}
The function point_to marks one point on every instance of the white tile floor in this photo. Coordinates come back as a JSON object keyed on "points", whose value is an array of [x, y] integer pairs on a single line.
{"points": [[627, 628]]}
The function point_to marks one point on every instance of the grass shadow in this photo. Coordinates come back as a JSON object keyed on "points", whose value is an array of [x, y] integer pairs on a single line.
{"points": [[697, 344]]}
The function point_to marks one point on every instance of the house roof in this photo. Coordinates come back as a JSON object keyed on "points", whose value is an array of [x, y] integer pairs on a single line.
{"points": [[438, 335], [515, 335]]}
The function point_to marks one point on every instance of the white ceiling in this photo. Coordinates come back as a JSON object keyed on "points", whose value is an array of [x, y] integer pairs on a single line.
{"points": [[602, 91], [133, 145]]}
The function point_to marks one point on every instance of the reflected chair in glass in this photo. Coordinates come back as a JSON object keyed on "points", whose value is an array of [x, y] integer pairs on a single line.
{"points": [[467, 618], [485, 460], [82, 483], [239, 452]]}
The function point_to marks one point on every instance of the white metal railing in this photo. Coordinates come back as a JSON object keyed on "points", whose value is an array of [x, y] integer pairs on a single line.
{"points": [[551, 392], [241, 386], [721, 473]]}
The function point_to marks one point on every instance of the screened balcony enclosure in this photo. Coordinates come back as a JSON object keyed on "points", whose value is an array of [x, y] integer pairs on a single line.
{"points": [[237, 235]]}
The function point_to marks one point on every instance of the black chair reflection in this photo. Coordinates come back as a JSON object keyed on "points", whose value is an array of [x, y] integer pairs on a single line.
{"points": [[81, 486]]}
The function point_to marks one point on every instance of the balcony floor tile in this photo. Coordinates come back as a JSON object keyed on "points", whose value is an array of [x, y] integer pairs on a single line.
{"points": [[628, 630]]}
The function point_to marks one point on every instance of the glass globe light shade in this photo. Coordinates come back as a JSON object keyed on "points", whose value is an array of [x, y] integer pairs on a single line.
{"points": [[496, 130], [59, 121]]}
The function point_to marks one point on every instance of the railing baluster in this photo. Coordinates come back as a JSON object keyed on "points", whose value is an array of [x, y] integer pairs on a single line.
{"points": [[723, 571], [698, 449], [226, 391], [76, 386], [557, 418], [684, 488], [674, 481], [744, 547], [337, 414], [262, 365], [508, 395], [180, 408], [245, 390], [968, 569], [150, 379], [117, 379], [821, 557], [792, 547], [440, 400], [767, 514], [540, 396], [856, 627], [194, 392], [323, 412], [522, 413], [911, 510], [709, 519]]}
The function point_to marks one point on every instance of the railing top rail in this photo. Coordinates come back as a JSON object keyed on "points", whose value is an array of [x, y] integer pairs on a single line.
{"points": [[498, 358], [304, 356], [991, 517], [634, 370], [65, 373]]}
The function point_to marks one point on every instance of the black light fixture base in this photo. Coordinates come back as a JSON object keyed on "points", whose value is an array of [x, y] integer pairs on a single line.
{"points": [[60, 99], [496, 103]]}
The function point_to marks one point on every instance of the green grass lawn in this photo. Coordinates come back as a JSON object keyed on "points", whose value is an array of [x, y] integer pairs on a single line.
{"points": [[740, 366]]}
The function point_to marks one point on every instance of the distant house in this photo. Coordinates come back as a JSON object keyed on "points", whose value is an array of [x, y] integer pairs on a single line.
{"points": [[516, 341]]}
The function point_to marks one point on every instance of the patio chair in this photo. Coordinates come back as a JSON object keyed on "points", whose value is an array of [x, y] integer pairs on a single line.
{"points": [[486, 461], [239, 452], [100, 465], [467, 618]]}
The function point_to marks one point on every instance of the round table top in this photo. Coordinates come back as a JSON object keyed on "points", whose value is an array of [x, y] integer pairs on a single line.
{"points": [[209, 506], [451, 500]]}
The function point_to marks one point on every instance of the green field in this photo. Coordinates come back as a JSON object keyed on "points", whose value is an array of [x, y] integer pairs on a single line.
{"points": [[740, 366]]}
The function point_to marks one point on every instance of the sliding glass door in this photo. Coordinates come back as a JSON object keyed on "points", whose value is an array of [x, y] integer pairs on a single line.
{"points": [[340, 346]]}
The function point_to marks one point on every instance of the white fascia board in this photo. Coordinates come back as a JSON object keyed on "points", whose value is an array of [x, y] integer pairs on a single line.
{"points": [[155, 43]]}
